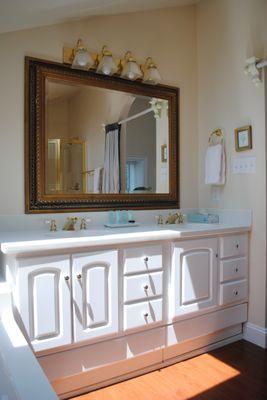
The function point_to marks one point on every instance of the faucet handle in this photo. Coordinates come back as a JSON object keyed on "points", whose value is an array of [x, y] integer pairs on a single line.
{"points": [[52, 223], [84, 222], [159, 219]]}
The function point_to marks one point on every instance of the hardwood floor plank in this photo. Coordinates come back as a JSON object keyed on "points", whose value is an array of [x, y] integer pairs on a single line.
{"points": [[235, 372]]}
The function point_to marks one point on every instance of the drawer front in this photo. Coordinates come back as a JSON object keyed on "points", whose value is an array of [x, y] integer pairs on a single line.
{"points": [[142, 314], [142, 286], [233, 246], [234, 291], [140, 259], [232, 270]]}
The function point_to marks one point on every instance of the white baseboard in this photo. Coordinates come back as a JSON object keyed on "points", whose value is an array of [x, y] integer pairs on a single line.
{"points": [[255, 334]]}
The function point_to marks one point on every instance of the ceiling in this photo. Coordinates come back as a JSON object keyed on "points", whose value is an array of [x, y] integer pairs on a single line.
{"points": [[24, 14]]}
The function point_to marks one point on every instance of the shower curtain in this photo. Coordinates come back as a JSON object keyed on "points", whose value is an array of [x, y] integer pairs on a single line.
{"points": [[111, 176]]}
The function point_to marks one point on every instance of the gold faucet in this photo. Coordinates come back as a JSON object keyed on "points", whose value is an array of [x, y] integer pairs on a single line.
{"points": [[84, 222], [159, 220], [176, 218], [52, 224], [70, 224]]}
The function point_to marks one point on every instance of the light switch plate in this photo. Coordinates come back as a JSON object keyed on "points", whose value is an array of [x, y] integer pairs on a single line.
{"points": [[244, 165]]}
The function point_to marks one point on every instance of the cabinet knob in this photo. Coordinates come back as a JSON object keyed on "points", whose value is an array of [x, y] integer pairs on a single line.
{"points": [[145, 287], [79, 276], [237, 245], [146, 315], [235, 292], [145, 259], [67, 278], [236, 269]]}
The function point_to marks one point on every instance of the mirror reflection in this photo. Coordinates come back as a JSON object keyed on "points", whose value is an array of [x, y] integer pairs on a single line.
{"points": [[104, 141]]}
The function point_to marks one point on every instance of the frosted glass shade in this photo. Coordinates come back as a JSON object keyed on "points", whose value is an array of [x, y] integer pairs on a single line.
{"points": [[152, 76], [107, 65], [82, 60], [131, 70]]}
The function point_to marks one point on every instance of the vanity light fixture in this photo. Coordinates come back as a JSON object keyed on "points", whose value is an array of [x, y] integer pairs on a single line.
{"points": [[104, 63], [107, 65], [130, 68], [82, 59], [151, 73]]}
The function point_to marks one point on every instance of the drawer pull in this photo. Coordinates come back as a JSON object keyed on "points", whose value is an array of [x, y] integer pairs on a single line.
{"points": [[145, 315], [237, 245], [236, 269], [79, 276], [146, 287], [236, 292], [67, 278], [145, 259]]}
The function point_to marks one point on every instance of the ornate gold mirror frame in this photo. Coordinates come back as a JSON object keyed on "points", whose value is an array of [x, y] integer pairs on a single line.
{"points": [[36, 199]]}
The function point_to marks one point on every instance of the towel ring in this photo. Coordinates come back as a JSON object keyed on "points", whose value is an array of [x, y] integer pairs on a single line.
{"points": [[217, 134]]}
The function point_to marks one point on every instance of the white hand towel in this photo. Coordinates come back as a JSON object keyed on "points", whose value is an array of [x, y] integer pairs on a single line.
{"points": [[215, 165]]}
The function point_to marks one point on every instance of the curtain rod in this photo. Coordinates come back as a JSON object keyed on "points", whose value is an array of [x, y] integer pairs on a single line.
{"points": [[148, 110]]}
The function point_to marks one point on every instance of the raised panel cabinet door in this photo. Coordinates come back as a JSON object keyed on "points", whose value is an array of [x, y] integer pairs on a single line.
{"points": [[95, 294], [44, 295], [194, 276]]}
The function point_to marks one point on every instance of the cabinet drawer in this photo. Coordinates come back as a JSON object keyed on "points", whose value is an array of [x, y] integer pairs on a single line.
{"points": [[232, 270], [234, 291], [233, 246], [140, 259], [142, 314], [142, 286]]}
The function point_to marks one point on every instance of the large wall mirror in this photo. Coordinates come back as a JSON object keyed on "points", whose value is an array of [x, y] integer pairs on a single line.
{"points": [[95, 142]]}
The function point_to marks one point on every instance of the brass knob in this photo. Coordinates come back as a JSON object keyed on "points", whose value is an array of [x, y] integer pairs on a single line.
{"points": [[146, 315], [79, 276], [67, 278], [145, 259], [145, 287]]}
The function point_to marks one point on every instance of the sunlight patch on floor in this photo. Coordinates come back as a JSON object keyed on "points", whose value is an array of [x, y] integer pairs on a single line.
{"points": [[181, 381]]}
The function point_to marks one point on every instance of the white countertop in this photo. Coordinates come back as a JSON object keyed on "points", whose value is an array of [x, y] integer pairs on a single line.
{"points": [[35, 241]]}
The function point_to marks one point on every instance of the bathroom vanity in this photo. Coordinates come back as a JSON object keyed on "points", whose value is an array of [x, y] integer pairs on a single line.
{"points": [[101, 306]]}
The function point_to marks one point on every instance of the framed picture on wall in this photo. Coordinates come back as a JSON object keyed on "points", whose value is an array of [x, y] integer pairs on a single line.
{"points": [[243, 138]]}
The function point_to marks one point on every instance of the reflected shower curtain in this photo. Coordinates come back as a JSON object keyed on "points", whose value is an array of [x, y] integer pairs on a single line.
{"points": [[111, 176]]}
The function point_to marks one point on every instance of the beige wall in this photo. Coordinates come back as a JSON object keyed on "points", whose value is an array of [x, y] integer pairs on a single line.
{"points": [[228, 32], [167, 35]]}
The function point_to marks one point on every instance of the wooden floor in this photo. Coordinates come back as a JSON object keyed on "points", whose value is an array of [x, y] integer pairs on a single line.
{"points": [[235, 372]]}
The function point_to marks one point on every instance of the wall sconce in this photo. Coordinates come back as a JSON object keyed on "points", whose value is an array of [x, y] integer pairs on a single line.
{"points": [[130, 68], [151, 73], [107, 65]]}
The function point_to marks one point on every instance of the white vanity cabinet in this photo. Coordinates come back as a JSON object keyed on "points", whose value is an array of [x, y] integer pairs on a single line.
{"points": [[44, 300], [193, 276], [233, 269], [143, 285], [58, 295], [131, 307], [95, 294]]}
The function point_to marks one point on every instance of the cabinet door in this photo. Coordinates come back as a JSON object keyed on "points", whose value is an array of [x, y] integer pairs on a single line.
{"points": [[194, 276], [95, 294], [44, 295]]}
